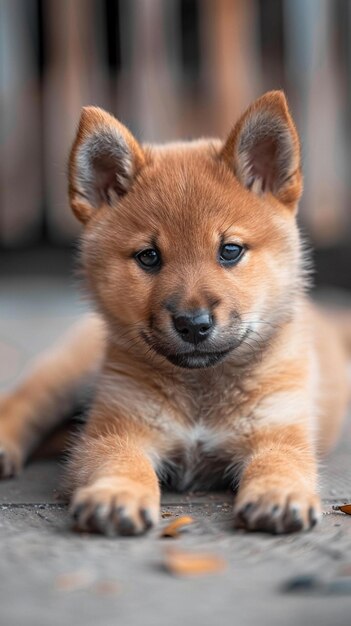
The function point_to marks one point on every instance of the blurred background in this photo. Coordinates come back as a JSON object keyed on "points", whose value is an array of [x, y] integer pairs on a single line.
{"points": [[167, 69]]}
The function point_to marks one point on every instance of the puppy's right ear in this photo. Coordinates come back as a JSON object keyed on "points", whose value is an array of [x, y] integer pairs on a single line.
{"points": [[104, 160]]}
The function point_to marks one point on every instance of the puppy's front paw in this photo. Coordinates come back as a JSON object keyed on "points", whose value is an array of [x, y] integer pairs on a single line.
{"points": [[115, 506], [10, 461], [276, 510]]}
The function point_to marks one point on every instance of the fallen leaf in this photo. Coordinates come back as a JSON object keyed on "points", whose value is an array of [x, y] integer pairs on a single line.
{"points": [[345, 508], [165, 514], [74, 580], [193, 564], [173, 529], [107, 587]]}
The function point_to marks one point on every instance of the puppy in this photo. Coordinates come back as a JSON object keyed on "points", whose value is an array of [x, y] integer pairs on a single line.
{"points": [[210, 364]]}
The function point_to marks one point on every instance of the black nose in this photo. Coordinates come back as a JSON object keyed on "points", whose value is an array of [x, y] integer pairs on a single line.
{"points": [[193, 327]]}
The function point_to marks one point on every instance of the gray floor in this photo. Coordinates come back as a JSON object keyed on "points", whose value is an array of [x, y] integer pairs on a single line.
{"points": [[49, 576]]}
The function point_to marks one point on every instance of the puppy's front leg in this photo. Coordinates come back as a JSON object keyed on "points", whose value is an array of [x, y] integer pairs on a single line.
{"points": [[278, 487], [54, 387], [117, 488]]}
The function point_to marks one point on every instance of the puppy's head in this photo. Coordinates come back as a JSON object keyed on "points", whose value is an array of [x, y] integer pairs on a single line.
{"points": [[191, 249]]}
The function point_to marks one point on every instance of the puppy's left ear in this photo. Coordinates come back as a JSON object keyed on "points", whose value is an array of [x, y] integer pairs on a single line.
{"points": [[263, 150], [104, 161]]}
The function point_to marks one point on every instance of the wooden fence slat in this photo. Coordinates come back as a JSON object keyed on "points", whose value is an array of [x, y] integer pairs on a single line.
{"points": [[74, 78], [317, 100], [230, 59], [150, 90], [147, 98], [20, 175]]}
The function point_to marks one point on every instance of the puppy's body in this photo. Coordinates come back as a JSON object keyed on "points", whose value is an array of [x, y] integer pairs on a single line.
{"points": [[213, 370]]}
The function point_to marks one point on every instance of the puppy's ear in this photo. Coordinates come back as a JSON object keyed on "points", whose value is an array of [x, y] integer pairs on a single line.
{"points": [[104, 160], [263, 150]]}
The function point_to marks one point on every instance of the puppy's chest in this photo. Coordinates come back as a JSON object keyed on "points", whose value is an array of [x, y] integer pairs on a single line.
{"points": [[198, 459], [206, 453]]}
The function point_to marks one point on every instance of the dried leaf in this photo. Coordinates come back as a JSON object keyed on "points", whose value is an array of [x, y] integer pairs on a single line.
{"points": [[81, 579], [107, 587], [193, 564], [345, 508], [165, 514], [173, 529]]}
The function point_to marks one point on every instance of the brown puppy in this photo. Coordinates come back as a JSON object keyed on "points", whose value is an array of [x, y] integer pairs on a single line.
{"points": [[213, 365]]}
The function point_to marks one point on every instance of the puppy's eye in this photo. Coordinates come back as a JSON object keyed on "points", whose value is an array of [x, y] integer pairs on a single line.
{"points": [[148, 259], [230, 253]]}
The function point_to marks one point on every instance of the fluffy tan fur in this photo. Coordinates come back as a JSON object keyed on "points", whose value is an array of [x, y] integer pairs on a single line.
{"points": [[258, 416]]}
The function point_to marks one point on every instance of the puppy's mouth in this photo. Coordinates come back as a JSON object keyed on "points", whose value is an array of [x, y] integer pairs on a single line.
{"points": [[192, 359], [197, 360]]}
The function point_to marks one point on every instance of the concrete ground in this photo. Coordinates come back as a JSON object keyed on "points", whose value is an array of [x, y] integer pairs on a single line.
{"points": [[49, 575]]}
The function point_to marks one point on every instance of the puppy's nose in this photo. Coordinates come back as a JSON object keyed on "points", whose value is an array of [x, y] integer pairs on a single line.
{"points": [[193, 327]]}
